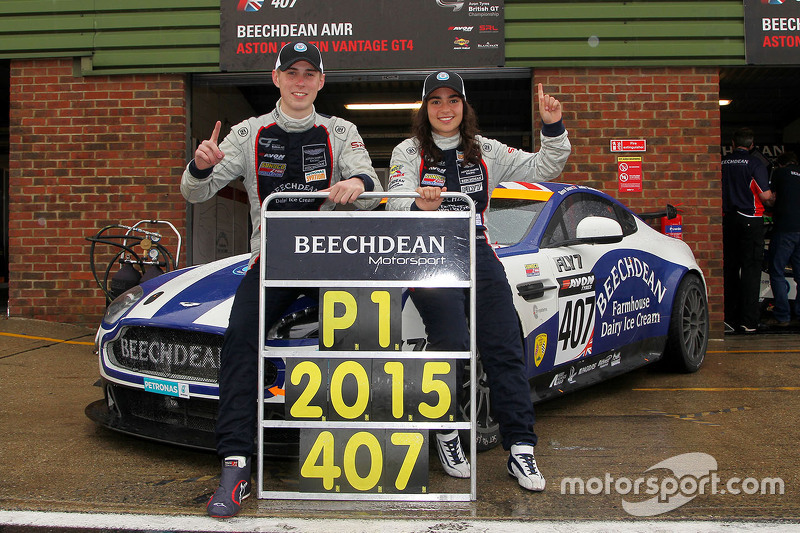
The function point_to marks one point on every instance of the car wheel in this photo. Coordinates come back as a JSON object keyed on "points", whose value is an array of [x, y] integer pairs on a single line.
{"points": [[487, 430], [687, 339]]}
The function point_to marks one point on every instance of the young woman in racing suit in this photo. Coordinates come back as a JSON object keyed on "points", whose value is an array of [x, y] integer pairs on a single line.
{"points": [[447, 154], [292, 148]]}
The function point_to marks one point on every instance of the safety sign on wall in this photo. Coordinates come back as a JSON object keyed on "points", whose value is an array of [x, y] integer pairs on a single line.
{"points": [[628, 145], [629, 174]]}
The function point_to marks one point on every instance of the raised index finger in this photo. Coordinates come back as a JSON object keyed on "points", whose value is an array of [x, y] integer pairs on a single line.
{"points": [[541, 93], [215, 133]]}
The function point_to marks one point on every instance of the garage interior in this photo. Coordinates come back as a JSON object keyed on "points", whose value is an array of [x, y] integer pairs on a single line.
{"points": [[502, 102], [763, 98]]}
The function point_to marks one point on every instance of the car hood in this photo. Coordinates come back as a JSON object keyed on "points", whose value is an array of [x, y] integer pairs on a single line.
{"points": [[195, 298]]}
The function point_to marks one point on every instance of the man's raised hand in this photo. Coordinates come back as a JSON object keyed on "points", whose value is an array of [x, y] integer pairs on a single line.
{"points": [[208, 153]]}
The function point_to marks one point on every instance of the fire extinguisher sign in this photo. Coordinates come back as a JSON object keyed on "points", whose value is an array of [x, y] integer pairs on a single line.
{"points": [[630, 174]]}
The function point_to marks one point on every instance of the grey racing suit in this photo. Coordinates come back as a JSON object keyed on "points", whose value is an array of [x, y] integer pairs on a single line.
{"points": [[501, 162], [444, 310], [274, 153]]}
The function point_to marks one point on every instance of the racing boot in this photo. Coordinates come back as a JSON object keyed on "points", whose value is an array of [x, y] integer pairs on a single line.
{"points": [[522, 465], [234, 486], [451, 454]]}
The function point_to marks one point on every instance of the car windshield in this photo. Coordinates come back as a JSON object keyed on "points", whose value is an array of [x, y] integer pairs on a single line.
{"points": [[510, 220]]}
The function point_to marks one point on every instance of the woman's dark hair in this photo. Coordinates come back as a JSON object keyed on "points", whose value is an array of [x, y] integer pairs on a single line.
{"points": [[421, 129]]}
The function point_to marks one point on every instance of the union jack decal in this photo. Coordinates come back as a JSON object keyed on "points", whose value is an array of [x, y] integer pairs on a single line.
{"points": [[249, 5]]}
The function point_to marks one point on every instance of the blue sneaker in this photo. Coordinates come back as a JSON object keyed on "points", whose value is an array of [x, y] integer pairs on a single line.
{"points": [[522, 465], [234, 487]]}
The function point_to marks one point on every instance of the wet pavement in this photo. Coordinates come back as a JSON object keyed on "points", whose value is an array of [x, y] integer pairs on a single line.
{"points": [[737, 417]]}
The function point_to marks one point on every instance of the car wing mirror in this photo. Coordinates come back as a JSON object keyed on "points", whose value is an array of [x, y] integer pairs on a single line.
{"points": [[598, 230]]}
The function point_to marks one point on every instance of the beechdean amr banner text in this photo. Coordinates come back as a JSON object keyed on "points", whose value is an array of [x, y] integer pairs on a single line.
{"points": [[355, 35], [772, 32]]}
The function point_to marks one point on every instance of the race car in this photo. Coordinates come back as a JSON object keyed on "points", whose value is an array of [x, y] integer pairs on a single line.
{"points": [[598, 293]]}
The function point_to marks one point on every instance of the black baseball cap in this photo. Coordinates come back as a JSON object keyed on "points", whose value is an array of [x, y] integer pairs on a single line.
{"points": [[296, 51], [443, 78]]}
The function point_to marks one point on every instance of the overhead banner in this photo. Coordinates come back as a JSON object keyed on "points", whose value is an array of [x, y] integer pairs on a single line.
{"points": [[772, 32], [356, 35]]}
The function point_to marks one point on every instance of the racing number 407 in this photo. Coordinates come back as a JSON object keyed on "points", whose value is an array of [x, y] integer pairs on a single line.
{"points": [[321, 463], [577, 322]]}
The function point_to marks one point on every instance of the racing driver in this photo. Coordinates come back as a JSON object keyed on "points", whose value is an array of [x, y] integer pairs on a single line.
{"points": [[295, 149], [447, 154]]}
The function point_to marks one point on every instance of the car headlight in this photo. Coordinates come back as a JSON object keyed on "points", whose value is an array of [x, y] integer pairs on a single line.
{"points": [[122, 303]]}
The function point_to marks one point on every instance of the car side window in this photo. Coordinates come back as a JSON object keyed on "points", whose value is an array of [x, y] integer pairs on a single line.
{"points": [[564, 222]]}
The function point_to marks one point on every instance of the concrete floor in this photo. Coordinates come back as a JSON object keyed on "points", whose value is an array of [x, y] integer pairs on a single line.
{"points": [[739, 411]]}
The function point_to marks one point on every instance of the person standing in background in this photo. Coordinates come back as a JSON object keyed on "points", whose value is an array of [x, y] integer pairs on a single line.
{"points": [[784, 245], [745, 192]]}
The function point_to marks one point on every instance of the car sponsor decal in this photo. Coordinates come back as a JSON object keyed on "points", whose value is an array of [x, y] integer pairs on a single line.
{"points": [[566, 263], [540, 348], [166, 387], [634, 296], [576, 303], [532, 270], [574, 373]]}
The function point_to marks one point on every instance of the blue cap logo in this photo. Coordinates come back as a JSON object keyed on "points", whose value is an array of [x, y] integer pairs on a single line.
{"points": [[300, 47], [442, 76]]}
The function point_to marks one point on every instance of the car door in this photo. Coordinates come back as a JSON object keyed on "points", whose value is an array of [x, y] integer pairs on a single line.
{"points": [[572, 267]]}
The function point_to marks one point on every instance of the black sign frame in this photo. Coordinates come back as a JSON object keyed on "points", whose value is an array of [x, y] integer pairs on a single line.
{"points": [[326, 435]]}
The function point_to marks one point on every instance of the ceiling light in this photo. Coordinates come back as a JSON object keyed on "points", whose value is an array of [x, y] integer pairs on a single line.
{"points": [[723, 101], [383, 107]]}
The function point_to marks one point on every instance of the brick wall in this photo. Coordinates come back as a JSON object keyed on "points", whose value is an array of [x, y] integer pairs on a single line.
{"points": [[93, 151], [85, 152], [677, 111]]}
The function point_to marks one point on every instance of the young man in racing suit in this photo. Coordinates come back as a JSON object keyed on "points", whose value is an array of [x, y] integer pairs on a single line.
{"points": [[447, 154], [294, 149]]}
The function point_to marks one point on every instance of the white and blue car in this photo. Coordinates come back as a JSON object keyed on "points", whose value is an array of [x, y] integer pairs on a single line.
{"points": [[598, 293]]}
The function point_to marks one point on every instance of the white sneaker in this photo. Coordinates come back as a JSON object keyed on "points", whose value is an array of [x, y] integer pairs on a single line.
{"points": [[451, 454], [522, 465]]}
